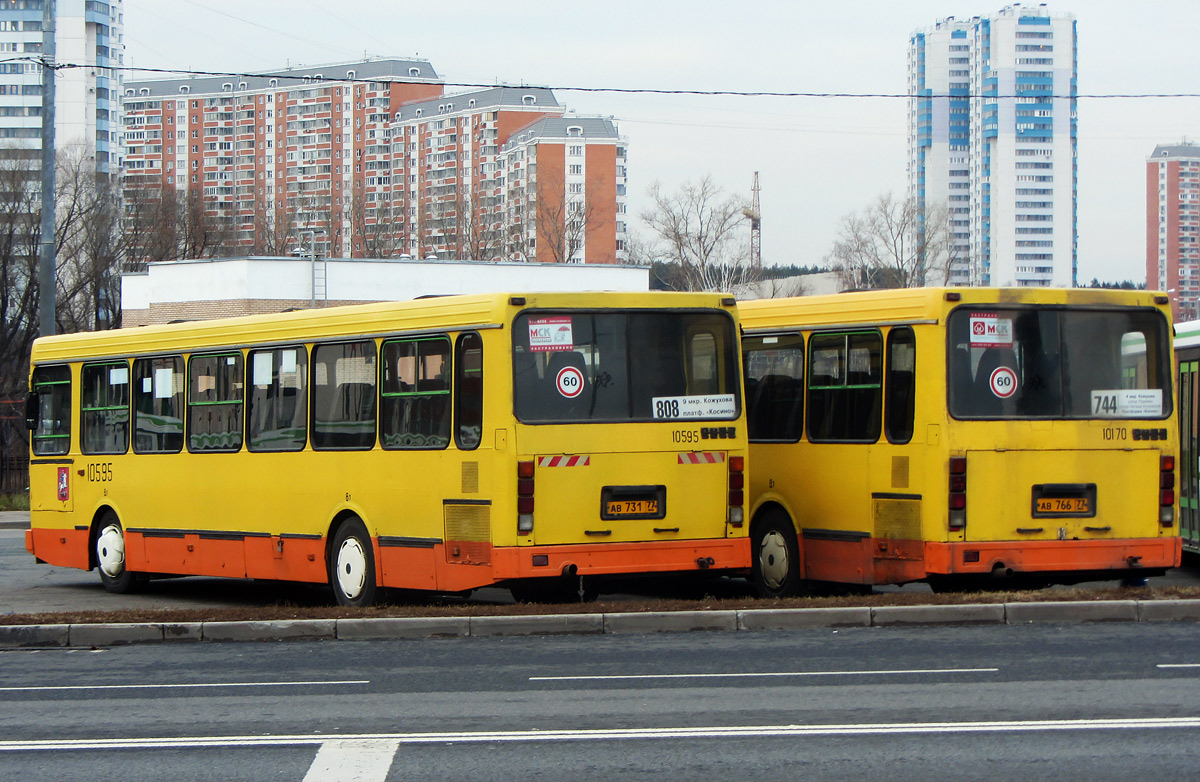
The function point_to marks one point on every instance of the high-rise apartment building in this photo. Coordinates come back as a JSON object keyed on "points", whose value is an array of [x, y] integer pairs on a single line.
{"points": [[88, 33], [992, 137], [366, 159], [1173, 226]]}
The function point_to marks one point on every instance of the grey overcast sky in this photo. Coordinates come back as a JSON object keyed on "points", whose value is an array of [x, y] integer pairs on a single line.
{"points": [[818, 158]]}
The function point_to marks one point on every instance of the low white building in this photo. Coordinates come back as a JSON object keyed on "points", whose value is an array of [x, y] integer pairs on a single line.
{"points": [[224, 287]]}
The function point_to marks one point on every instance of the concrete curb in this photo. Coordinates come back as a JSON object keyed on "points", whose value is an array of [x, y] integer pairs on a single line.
{"points": [[752, 620]]}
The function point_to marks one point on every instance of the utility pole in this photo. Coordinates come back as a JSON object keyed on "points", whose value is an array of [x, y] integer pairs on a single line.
{"points": [[755, 216], [46, 260]]}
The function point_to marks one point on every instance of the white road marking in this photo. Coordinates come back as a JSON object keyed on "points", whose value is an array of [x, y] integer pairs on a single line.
{"points": [[179, 686], [603, 734], [360, 760], [639, 676], [1178, 665]]}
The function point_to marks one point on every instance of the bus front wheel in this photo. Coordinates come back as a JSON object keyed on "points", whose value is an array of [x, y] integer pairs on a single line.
{"points": [[110, 557], [776, 568], [352, 565]]}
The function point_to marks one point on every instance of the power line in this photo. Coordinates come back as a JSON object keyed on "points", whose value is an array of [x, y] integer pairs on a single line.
{"points": [[647, 90]]}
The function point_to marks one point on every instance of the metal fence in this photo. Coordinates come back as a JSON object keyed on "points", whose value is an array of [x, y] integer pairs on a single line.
{"points": [[14, 453]]}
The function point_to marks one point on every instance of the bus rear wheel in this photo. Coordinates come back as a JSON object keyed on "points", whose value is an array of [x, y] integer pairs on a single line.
{"points": [[776, 566], [110, 557], [352, 565]]}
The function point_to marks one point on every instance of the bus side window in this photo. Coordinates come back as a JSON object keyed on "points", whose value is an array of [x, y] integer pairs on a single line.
{"points": [[845, 387], [277, 413], [214, 411], [343, 398], [468, 391], [774, 375], [158, 405], [51, 391], [415, 397], [105, 408], [900, 385]]}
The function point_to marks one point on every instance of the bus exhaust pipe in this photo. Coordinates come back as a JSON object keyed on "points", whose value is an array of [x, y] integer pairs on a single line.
{"points": [[569, 571]]}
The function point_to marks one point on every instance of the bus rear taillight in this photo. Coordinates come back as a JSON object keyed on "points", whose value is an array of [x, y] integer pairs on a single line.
{"points": [[1166, 490], [524, 498], [737, 483], [958, 492]]}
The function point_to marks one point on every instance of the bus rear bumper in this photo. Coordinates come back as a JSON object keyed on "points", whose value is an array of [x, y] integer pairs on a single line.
{"points": [[1121, 556], [594, 559]]}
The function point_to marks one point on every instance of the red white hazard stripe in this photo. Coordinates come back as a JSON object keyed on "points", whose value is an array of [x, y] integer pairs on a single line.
{"points": [[564, 461], [702, 457]]}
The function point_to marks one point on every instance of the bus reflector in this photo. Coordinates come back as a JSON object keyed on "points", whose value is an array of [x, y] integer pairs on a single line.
{"points": [[736, 482], [958, 493], [1166, 494], [524, 497]]}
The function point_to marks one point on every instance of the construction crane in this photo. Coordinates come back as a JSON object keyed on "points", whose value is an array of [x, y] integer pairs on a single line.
{"points": [[755, 216]]}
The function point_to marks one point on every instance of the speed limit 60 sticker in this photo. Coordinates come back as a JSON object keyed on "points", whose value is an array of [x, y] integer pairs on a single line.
{"points": [[1003, 382], [569, 382]]}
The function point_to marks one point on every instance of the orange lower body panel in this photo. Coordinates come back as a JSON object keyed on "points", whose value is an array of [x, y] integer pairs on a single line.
{"points": [[1046, 556], [435, 567], [866, 560], [593, 559], [62, 547]]}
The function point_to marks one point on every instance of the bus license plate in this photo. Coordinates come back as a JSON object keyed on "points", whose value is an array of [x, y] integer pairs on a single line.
{"points": [[617, 509], [1072, 505]]}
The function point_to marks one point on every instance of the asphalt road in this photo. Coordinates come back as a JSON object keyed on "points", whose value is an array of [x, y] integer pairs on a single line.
{"points": [[1080, 702], [28, 587]]}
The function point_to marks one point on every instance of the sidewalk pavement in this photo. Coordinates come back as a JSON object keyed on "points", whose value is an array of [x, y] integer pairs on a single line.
{"points": [[94, 635], [14, 519]]}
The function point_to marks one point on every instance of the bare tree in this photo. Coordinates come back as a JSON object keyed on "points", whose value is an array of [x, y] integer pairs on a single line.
{"points": [[19, 223], [376, 226], [888, 245], [701, 229], [565, 219]]}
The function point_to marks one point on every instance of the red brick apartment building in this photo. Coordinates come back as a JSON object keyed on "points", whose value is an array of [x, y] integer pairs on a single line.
{"points": [[374, 159], [1173, 226]]}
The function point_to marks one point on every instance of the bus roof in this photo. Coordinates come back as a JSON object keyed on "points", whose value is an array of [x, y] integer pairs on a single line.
{"points": [[427, 314], [924, 305]]}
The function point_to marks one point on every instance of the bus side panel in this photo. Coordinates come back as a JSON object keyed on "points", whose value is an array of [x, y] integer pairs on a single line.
{"points": [[62, 547], [222, 557], [286, 558], [829, 557], [408, 568], [159, 553], [616, 558]]}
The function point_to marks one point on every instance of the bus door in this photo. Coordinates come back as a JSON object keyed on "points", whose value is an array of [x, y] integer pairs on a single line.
{"points": [[48, 418]]}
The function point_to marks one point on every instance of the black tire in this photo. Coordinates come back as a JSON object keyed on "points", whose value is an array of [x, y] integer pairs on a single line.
{"points": [[109, 549], [352, 565], [776, 555]]}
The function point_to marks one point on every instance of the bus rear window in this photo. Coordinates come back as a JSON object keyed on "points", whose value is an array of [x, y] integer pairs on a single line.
{"points": [[1058, 363], [624, 366]]}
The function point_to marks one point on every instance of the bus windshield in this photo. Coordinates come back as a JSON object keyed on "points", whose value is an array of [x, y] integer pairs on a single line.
{"points": [[1057, 363], [615, 366]]}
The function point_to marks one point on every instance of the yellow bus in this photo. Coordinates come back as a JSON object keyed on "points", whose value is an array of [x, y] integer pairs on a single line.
{"points": [[441, 444], [963, 437], [1187, 358]]}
